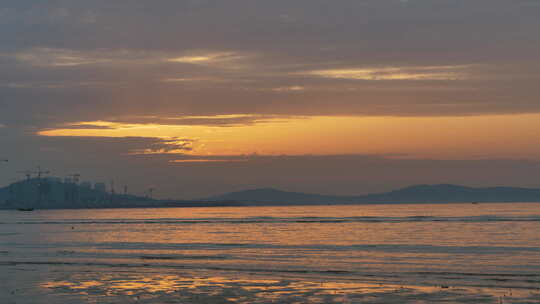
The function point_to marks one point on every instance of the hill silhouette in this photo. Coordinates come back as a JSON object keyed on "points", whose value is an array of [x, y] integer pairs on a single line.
{"points": [[442, 193], [59, 195]]}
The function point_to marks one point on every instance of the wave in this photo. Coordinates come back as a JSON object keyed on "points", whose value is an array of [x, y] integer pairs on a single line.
{"points": [[305, 248], [307, 220], [472, 279], [183, 257]]}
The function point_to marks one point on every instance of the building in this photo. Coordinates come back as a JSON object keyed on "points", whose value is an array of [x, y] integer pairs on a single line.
{"points": [[100, 187], [86, 185]]}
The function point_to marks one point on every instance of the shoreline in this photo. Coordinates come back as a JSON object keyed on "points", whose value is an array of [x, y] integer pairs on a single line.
{"points": [[242, 205]]}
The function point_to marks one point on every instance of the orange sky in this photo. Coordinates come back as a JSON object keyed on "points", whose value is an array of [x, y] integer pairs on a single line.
{"points": [[495, 136]]}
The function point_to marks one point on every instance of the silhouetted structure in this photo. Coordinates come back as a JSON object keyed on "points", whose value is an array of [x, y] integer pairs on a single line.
{"points": [[52, 193]]}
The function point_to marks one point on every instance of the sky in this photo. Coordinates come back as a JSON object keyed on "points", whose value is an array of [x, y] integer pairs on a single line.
{"points": [[200, 97]]}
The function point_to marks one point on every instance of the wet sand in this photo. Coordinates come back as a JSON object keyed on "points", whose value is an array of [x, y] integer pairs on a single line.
{"points": [[28, 283]]}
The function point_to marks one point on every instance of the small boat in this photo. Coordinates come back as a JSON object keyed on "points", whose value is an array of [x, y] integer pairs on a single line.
{"points": [[25, 209]]}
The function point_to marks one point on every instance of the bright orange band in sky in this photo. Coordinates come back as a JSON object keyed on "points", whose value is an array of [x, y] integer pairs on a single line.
{"points": [[496, 136]]}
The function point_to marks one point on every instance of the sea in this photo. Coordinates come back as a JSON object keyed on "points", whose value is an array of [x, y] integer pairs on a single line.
{"points": [[385, 253]]}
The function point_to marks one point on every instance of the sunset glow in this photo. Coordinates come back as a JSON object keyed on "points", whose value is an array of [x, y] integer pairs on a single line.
{"points": [[396, 73], [257, 151], [435, 137]]}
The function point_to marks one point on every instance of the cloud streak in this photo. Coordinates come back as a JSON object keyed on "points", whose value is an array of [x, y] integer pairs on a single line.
{"points": [[457, 72], [219, 59], [59, 57]]}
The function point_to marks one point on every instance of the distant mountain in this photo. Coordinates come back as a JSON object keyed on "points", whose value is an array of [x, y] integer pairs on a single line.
{"points": [[55, 194], [414, 194], [453, 193]]}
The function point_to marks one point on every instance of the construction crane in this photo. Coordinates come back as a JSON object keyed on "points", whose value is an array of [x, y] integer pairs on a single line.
{"points": [[40, 184], [39, 173], [27, 173]]}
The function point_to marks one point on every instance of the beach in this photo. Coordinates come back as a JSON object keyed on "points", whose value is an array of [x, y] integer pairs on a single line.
{"points": [[98, 284], [451, 253]]}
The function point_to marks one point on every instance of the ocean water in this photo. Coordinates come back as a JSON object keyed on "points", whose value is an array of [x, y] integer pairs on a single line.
{"points": [[470, 253]]}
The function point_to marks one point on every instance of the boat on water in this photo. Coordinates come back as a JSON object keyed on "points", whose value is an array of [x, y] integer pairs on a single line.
{"points": [[25, 209]]}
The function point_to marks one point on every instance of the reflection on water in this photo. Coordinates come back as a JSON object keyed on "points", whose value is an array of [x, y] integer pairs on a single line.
{"points": [[185, 288], [157, 283], [340, 252]]}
